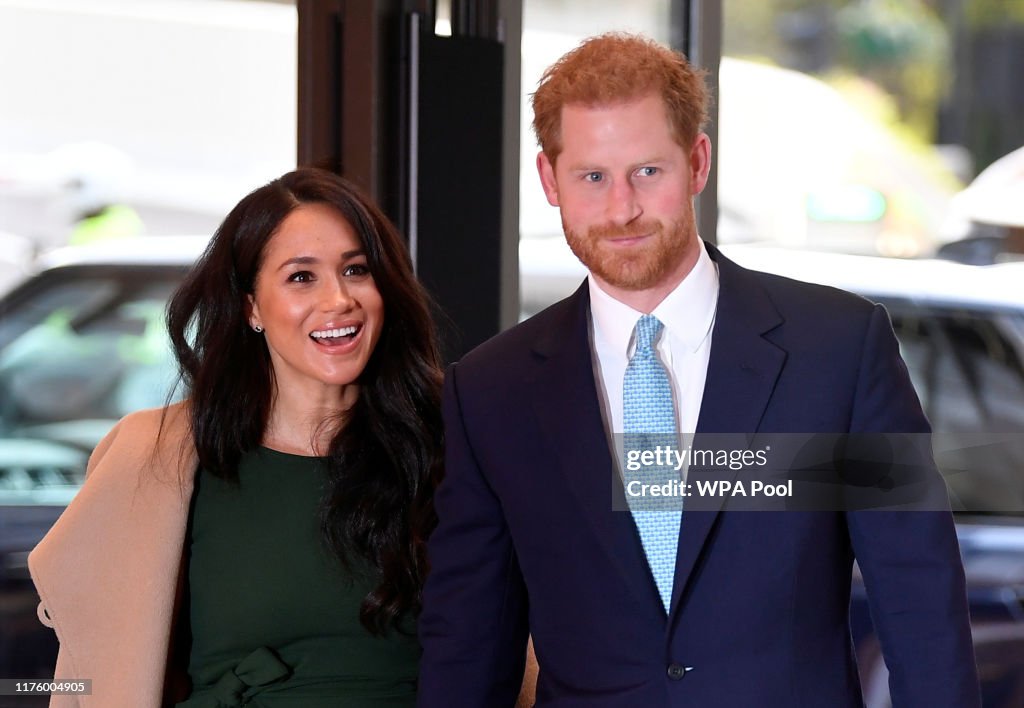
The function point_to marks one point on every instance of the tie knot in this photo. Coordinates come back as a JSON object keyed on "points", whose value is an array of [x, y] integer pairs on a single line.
{"points": [[647, 329]]}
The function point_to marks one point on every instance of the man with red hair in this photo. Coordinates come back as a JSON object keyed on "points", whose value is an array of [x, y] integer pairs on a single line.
{"points": [[697, 604]]}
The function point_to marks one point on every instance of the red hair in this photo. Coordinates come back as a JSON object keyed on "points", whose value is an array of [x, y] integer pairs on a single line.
{"points": [[616, 68]]}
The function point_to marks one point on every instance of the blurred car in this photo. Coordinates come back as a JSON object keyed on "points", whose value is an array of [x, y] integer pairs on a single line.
{"points": [[82, 343], [16, 254], [961, 333]]}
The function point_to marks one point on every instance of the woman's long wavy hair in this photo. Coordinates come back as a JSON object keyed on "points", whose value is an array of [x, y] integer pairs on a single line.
{"points": [[385, 459]]}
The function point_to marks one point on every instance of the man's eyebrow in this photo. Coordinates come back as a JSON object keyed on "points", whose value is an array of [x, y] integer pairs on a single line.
{"points": [[584, 167]]}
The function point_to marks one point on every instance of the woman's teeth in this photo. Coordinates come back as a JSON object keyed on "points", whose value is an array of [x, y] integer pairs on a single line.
{"points": [[323, 334]]}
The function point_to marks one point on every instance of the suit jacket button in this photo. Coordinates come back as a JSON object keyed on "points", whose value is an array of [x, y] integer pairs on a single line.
{"points": [[676, 671]]}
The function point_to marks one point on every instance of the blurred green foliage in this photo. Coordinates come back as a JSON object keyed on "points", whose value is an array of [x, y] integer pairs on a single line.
{"points": [[752, 29], [901, 45], [994, 13], [905, 48]]}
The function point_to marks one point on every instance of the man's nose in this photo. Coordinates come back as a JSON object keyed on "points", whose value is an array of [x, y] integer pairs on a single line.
{"points": [[623, 205]]}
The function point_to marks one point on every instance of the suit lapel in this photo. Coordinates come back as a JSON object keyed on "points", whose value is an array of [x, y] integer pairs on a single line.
{"points": [[565, 401], [742, 372]]}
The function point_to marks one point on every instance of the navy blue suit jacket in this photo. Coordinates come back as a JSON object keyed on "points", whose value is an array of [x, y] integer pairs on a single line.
{"points": [[528, 540]]}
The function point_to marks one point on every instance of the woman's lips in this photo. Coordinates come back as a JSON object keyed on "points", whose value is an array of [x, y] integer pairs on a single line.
{"points": [[338, 339]]}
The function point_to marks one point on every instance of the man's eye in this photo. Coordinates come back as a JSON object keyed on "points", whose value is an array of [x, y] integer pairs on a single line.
{"points": [[301, 276], [593, 177], [357, 269], [647, 171]]}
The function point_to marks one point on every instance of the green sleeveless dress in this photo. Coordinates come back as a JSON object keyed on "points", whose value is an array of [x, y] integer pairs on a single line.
{"points": [[274, 616]]}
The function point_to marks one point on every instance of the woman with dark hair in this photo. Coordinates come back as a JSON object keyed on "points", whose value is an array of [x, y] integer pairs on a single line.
{"points": [[262, 542]]}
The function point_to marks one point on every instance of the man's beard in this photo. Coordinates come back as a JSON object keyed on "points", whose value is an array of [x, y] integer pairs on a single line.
{"points": [[639, 267]]}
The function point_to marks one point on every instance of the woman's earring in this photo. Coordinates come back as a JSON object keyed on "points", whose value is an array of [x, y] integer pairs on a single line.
{"points": [[257, 329]]}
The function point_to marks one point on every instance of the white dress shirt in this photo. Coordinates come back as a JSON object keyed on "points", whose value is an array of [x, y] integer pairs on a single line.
{"points": [[684, 346]]}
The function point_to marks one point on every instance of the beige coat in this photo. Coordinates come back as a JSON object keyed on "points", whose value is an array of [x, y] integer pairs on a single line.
{"points": [[107, 572]]}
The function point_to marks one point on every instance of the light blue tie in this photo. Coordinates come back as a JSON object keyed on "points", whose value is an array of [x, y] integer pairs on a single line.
{"points": [[649, 420]]}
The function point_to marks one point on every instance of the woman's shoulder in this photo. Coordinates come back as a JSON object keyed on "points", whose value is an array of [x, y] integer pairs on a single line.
{"points": [[171, 418], [157, 434]]}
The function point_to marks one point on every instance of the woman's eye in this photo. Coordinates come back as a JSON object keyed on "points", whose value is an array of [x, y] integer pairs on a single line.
{"points": [[357, 269], [302, 276]]}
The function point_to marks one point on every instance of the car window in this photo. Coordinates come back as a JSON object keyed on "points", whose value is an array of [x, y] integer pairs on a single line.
{"points": [[967, 368], [79, 349]]}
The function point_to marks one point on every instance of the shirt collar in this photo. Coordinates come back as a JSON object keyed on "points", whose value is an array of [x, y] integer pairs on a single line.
{"points": [[688, 312]]}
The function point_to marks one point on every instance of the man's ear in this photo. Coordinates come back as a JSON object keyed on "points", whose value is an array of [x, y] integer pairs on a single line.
{"points": [[547, 178], [700, 163]]}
